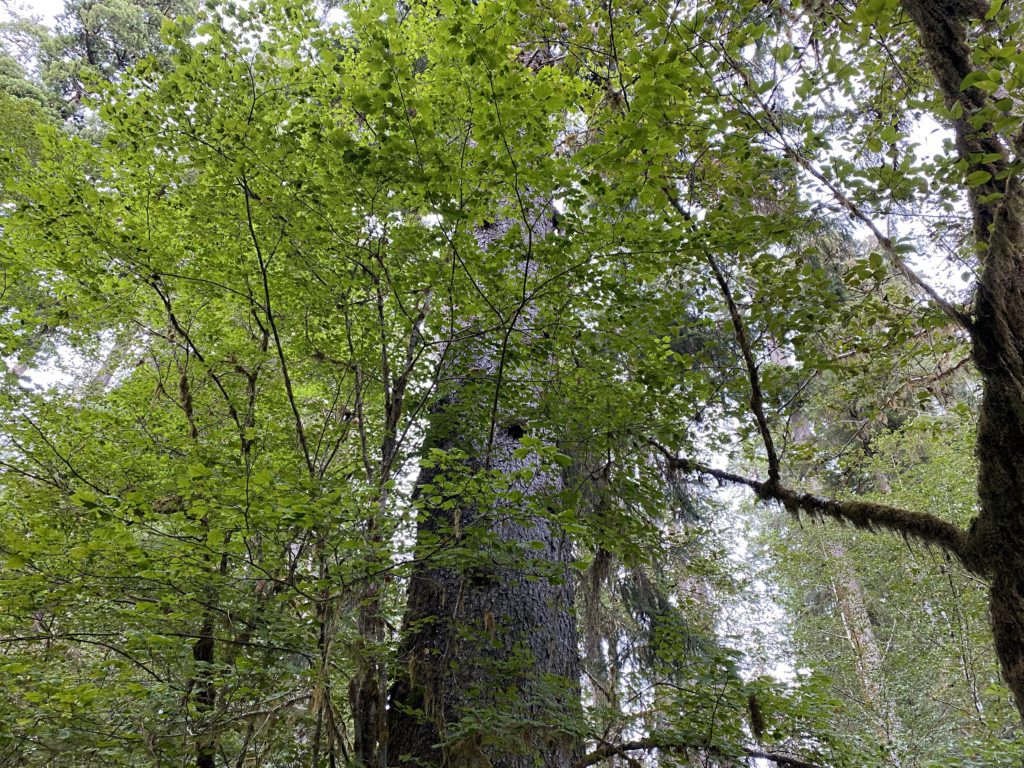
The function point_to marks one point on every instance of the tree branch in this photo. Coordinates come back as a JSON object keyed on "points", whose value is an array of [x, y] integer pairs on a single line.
{"points": [[300, 430], [740, 331], [865, 515], [165, 297], [954, 313], [958, 316], [756, 396], [649, 743]]}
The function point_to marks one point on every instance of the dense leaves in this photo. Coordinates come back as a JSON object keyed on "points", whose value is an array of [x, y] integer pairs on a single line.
{"points": [[327, 300]]}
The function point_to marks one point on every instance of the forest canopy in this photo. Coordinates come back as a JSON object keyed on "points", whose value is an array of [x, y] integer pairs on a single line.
{"points": [[512, 383]]}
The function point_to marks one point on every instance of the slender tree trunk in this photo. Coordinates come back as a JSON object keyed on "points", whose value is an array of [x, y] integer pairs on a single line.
{"points": [[958, 633], [204, 684], [205, 694], [853, 609], [367, 691]]}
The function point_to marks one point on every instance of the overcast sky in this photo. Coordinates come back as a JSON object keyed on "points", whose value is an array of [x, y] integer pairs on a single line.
{"points": [[48, 9]]}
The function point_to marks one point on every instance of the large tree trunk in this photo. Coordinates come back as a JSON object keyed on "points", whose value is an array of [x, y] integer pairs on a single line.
{"points": [[488, 669], [995, 545], [997, 534], [491, 641]]}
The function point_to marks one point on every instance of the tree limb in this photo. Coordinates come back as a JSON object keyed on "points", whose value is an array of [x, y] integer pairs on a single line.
{"points": [[756, 395], [300, 430], [961, 318], [649, 743], [740, 331], [865, 515]]}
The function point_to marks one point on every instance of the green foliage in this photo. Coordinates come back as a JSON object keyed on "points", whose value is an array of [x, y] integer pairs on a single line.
{"points": [[938, 670], [304, 263]]}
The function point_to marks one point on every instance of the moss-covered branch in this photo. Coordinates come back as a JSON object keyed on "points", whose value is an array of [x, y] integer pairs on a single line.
{"points": [[650, 743], [861, 514]]}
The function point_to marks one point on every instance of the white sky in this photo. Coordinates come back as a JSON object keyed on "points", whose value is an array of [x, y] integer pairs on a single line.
{"points": [[47, 9]]}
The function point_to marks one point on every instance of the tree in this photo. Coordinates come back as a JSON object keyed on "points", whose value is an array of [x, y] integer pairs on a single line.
{"points": [[538, 258], [986, 136], [97, 40]]}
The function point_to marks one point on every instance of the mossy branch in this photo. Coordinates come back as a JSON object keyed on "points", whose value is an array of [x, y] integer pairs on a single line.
{"points": [[865, 515], [650, 743]]}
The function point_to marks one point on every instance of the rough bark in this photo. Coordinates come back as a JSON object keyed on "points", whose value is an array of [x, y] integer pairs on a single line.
{"points": [[995, 543], [490, 640], [365, 690], [489, 668]]}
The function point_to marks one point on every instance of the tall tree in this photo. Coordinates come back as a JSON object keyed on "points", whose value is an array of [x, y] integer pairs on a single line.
{"points": [[96, 41], [536, 255]]}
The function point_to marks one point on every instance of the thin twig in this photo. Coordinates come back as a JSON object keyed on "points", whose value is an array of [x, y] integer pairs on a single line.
{"points": [[300, 430]]}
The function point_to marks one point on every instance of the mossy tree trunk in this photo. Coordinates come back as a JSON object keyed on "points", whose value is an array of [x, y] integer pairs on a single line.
{"points": [[995, 542], [488, 671]]}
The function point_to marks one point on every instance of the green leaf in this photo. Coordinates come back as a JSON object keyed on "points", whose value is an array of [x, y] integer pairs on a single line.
{"points": [[977, 178], [975, 78]]}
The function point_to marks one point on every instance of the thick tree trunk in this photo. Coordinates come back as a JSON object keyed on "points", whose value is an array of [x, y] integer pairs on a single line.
{"points": [[488, 669], [489, 653], [995, 545], [997, 535]]}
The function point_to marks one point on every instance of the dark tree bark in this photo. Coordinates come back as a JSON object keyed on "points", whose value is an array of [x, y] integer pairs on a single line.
{"points": [[995, 542], [205, 695], [996, 538], [491, 640], [488, 666]]}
